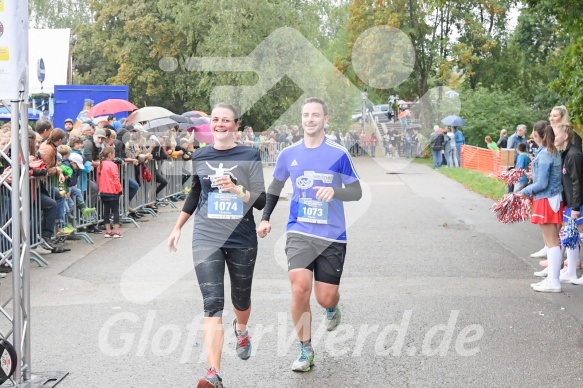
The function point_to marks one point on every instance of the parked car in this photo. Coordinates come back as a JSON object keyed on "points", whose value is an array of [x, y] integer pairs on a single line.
{"points": [[380, 114]]}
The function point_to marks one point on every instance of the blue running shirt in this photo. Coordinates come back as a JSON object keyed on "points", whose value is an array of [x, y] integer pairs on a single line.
{"points": [[326, 165]]}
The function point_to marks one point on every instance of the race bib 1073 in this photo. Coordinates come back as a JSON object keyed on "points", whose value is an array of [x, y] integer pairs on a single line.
{"points": [[313, 211]]}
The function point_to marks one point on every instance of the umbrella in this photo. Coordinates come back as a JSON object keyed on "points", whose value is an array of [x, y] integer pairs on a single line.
{"points": [[180, 119], [202, 133], [183, 122], [160, 125], [453, 121], [451, 94], [97, 120], [194, 113], [414, 126], [111, 106], [404, 113], [148, 113]]}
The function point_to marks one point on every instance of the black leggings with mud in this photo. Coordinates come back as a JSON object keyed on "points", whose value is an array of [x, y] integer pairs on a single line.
{"points": [[209, 264]]}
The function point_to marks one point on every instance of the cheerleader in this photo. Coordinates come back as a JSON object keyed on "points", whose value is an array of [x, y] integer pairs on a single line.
{"points": [[547, 208], [572, 161]]}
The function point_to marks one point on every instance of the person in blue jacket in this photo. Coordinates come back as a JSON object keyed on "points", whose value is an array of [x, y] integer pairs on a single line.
{"points": [[459, 141]]}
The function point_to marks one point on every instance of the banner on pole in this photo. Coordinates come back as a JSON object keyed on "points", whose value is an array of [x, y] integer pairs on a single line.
{"points": [[13, 48]]}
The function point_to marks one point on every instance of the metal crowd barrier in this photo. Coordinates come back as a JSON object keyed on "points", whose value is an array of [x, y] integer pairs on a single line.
{"points": [[6, 242], [269, 151], [146, 195], [124, 204]]}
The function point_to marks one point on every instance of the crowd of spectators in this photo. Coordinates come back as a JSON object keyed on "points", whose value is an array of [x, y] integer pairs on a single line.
{"points": [[65, 166]]}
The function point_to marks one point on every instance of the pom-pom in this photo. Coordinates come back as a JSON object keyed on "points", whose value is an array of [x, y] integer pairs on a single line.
{"points": [[512, 208], [569, 235], [512, 176]]}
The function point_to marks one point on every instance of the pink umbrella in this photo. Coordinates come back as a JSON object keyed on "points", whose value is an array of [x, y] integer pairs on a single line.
{"points": [[111, 106], [202, 133]]}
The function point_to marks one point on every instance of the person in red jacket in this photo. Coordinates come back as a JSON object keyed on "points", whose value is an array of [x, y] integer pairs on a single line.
{"points": [[110, 190]]}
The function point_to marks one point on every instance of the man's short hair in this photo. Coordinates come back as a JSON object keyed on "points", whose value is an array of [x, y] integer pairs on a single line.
{"points": [[42, 125], [520, 126], [317, 100]]}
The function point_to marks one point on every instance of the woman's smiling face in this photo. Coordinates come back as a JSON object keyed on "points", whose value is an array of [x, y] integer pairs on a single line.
{"points": [[223, 123]]}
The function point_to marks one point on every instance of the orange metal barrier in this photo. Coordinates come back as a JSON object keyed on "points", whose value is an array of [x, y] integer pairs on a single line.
{"points": [[483, 160]]}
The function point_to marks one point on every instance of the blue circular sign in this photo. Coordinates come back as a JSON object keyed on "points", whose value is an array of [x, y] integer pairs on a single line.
{"points": [[41, 70]]}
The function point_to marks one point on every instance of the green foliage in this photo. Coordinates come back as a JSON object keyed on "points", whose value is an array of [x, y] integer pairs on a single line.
{"points": [[58, 13], [569, 83], [488, 111], [129, 37]]}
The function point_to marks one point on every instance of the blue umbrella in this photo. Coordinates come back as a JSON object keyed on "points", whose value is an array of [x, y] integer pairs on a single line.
{"points": [[453, 121]]}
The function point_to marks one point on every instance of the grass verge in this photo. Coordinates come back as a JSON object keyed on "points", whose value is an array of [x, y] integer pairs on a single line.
{"points": [[473, 180]]}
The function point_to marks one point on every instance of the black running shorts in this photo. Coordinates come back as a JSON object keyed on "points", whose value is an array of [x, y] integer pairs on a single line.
{"points": [[324, 258]]}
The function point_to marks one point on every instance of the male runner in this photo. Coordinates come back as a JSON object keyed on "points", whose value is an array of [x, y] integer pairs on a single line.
{"points": [[316, 230]]}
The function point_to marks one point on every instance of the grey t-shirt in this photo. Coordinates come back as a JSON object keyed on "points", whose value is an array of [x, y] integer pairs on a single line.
{"points": [[244, 166]]}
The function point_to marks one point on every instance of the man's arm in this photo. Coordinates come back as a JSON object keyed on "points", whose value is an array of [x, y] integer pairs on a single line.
{"points": [[351, 192], [511, 142], [273, 193]]}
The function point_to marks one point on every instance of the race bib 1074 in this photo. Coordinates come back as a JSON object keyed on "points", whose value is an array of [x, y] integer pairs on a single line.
{"points": [[224, 206]]}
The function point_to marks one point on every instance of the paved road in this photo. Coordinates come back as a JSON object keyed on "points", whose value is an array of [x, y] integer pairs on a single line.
{"points": [[435, 293]]}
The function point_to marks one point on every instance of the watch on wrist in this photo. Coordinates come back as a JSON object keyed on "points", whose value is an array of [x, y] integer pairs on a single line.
{"points": [[241, 191]]}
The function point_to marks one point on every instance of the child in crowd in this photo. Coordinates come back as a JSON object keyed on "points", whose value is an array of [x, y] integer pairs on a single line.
{"points": [[81, 169], [522, 161], [110, 191]]}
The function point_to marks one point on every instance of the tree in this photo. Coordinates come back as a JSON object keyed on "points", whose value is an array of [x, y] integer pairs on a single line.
{"points": [[58, 13], [569, 84], [487, 111], [129, 38]]}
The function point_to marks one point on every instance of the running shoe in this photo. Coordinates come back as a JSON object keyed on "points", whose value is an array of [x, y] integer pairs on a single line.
{"points": [[243, 347], [46, 244], [211, 380], [539, 254], [533, 285], [305, 361], [116, 235], [87, 211], [547, 286], [542, 274], [69, 229], [333, 318], [564, 278], [108, 234], [62, 233]]}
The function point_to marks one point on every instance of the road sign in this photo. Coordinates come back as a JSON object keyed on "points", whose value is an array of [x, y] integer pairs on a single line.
{"points": [[40, 70]]}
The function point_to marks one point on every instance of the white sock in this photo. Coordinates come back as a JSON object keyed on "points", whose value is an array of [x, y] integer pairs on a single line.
{"points": [[572, 262], [555, 259]]}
